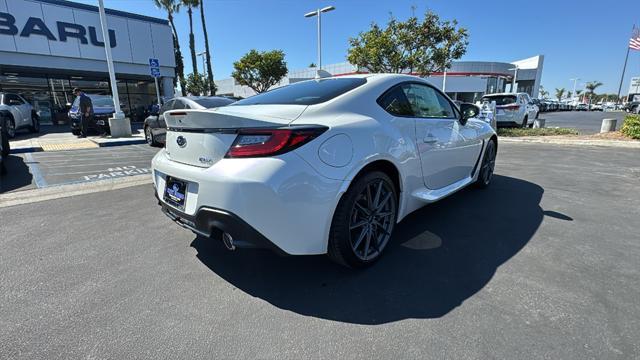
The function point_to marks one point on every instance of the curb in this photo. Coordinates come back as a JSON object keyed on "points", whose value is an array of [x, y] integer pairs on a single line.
{"points": [[31, 149], [576, 142]]}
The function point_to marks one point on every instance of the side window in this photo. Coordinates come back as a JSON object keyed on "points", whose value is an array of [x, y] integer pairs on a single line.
{"points": [[426, 102], [13, 100], [167, 106], [395, 102], [178, 105]]}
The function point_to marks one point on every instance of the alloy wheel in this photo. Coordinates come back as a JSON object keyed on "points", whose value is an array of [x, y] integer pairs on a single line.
{"points": [[488, 163], [11, 128], [372, 219], [148, 136]]}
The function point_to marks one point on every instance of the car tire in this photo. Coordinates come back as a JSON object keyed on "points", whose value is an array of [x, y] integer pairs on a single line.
{"points": [[35, 124], [11, 127], [485, 172], [368, 209], [5, 142], [525, 122], [149, 137]]}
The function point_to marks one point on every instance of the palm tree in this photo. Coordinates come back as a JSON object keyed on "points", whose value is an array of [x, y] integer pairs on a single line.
{"points": [[591, 88], [543, 92], [559, 93], [569, 94], [190, 4], [172, 7], [212, 85]]}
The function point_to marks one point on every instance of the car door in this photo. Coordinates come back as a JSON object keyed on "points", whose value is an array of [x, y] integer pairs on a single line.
{"points": [[448, 149], [25, 108]]}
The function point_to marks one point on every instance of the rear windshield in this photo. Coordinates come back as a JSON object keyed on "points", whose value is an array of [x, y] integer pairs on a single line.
{"points": [[101, 100], [306, 92], [501, 99], [213, 102]]}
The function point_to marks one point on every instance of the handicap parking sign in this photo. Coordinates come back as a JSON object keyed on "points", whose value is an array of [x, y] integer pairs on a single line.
{"points": [[155, 72], [154, 67], [154, 63]]}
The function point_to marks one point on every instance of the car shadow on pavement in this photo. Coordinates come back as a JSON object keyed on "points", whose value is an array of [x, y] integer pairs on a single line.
{"points": [[17, 175], [439, 256]]}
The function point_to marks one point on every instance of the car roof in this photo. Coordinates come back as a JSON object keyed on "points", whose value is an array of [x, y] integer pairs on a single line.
{"points": [[502, 94]]}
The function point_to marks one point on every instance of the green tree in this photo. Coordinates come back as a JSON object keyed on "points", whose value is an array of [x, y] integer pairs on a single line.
{"points": [[569, 94], [416, 46], [197, 84], [172, 7], [190, 4], [212, 85], [260, 70], [544, 93], [559, 93], [312, 65], [591, 88]]}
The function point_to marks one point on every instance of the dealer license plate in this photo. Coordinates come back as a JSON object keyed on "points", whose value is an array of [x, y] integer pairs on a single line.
{"points": [[175, 192]]}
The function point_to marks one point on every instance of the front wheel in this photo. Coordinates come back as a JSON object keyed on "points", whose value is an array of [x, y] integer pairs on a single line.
{"points": [[11, 128], [363, 221], [488, 165], [149, 137]]}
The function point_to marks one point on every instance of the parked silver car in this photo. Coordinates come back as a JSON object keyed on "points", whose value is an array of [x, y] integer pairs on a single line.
{"points": [[514, 109], [17, 113]]}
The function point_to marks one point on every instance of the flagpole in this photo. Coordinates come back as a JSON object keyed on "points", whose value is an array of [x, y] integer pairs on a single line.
{"points": [[624, 68]]}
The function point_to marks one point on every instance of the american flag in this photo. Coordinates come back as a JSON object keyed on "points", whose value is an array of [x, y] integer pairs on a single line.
{"points": [[634, 42]]}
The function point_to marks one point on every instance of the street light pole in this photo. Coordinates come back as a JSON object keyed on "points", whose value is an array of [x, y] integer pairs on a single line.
{"points": [[203, 53], [513, 83], [573, 94], [318, 13], [118, 124]]}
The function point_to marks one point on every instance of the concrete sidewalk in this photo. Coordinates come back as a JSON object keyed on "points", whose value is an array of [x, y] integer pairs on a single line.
{"points": [[56, 138]]}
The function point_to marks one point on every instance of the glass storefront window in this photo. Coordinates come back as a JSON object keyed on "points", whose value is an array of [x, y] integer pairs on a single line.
{"points": [[141, 87], [97, 87]]}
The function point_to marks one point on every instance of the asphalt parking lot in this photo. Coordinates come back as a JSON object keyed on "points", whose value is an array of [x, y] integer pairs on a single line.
{"points": [[45, 169], [543, 264], [586, 122]]}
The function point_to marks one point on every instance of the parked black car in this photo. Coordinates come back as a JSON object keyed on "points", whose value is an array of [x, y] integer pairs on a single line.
{"points": [[155, 127], [103, 109]]}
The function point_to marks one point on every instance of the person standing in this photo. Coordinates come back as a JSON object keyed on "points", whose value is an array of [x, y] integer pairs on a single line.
{"points": [[85, 107]]}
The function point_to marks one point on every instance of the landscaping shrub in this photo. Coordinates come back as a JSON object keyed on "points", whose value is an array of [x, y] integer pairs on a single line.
{"points": [[515, 132], [631, 126]]}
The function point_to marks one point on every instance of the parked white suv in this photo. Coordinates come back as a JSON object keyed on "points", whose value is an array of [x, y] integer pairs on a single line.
{"points": [[514, 109], [17, 113]]}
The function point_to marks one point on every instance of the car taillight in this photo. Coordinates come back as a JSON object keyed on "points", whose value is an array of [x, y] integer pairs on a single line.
{"points": [[511, 107], [269, 142]]}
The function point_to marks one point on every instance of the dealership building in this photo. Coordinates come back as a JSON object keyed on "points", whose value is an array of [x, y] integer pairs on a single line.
{"points": [[465, 81], [48, 47]]}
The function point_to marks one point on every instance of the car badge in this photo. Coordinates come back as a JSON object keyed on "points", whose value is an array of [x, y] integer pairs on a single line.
{"points": [[181, 141]]}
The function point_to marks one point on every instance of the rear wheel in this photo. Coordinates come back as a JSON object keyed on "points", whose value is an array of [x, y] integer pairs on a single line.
{"points": [[11, 128], [4, 139], [35, 124], [149, 137], [363, 221], [488, 165]]}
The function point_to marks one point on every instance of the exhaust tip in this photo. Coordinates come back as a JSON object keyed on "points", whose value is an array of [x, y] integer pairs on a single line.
{"points": [[227, 240]]}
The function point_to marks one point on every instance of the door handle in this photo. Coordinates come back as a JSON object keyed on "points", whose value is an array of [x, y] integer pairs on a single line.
{"points": [[430, 139]]}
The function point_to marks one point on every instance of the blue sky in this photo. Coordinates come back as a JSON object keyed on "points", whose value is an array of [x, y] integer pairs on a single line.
{"points": [[585, 39]]}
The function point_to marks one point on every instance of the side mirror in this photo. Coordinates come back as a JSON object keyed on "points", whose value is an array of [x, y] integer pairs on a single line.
{"points": [[468, 111]]}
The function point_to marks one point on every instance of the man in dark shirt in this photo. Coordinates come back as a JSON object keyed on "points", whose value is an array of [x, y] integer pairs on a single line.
{"points": [[85, 107]]}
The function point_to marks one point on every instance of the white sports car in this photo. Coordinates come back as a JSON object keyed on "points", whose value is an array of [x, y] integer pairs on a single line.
{"points": [[325, 166]]}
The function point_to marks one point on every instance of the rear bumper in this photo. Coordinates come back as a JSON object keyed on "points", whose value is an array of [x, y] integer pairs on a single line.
{"points": [[211, 223], [279, 203]]}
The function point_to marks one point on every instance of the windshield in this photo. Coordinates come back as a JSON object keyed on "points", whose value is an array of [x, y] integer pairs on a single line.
{"points": [[306, 92], [101, 100], [501, 99], [213, 102]]}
